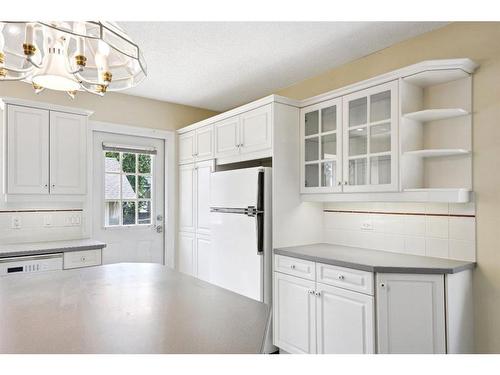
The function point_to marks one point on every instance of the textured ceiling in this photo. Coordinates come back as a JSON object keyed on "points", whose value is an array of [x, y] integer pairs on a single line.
{"points": [[220, 65]]}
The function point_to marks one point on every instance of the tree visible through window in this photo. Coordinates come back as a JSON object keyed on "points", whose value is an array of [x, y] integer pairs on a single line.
{"points": [[127, 188]]}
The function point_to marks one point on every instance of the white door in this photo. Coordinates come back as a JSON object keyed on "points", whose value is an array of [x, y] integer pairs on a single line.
{"points": [[203, 258], [187, 198], [68, 153], [186, 254], [411, 313], [321, 152], [204, 143], [294, 314], [128, 197], [345, 321], [227, 139], [187, 147], [27, 150], [202, 191], [370, 139], [256, 129]]}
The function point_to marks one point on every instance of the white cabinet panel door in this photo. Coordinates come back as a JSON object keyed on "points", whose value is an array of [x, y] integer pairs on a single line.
{"points": [[27, 150], [345, 321], [204, 143], [68, 150], [256, 129], [203, 256], [187, 147], [202, 178], [186, 253], [411, 313], [294, 314], [227, 137], [187, 198]]}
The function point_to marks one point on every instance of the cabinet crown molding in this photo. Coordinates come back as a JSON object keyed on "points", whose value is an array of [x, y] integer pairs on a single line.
{"points": [[41, 105]]}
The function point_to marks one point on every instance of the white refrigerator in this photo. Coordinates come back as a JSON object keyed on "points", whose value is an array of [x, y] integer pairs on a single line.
{"points": [[241, 230]]}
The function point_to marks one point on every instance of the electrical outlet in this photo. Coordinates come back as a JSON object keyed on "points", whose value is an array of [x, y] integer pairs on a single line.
{"points": [[366, 225], [16, 222]]}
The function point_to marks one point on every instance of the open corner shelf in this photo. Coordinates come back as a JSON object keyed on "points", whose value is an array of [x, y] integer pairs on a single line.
{"points": [[435, 114], [437, 152], [457, 195], [435, 77]]}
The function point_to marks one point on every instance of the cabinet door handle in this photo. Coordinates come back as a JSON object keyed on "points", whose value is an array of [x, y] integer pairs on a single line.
{"points": [[382, 285], [292, 266], [341, 277], [53, 185], [345, 182], [310, 291], [339, 183], [318, 294]]}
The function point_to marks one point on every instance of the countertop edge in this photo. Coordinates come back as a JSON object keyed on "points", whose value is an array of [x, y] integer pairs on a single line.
{"points": [[377, 269], [53, 250]]}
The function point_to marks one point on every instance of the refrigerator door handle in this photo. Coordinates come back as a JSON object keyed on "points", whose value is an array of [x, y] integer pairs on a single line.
{"points": [[259, 223]]}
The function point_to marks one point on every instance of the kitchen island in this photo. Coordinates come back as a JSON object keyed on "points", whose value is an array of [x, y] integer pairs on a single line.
{"points": [[126, 308]]}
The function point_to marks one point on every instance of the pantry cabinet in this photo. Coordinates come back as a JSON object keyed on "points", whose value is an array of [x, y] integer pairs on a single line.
{"points": [[46, 151]]}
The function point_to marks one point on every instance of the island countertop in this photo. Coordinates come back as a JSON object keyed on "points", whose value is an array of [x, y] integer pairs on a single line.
{"points": [[374, 260], [126, 308], [37, 248]]}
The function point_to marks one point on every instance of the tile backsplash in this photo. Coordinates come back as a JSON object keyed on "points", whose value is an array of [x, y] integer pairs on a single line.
{"points": [[438, 230], [19, 226]]}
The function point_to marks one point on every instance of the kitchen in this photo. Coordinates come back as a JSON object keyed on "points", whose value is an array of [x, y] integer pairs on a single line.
{"points": [[343, 211]]}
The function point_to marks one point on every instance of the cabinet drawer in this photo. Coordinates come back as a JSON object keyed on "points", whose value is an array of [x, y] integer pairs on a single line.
{"points": [[347, 278], [295, 267], [87, 258]]}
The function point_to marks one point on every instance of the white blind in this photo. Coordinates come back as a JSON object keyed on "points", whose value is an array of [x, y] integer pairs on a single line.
{"points": [[124, 148]]}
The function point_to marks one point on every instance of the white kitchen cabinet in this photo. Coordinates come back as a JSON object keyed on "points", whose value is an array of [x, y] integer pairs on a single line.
{"points": [[256, 130], [203, 256], [196, 145], [84, 258], [27, 150], [294, 304], [411, 313], [227, 138], [186, 253], [187, 198], [202, 191], [57, 145], [345, 321], [68, 150]]}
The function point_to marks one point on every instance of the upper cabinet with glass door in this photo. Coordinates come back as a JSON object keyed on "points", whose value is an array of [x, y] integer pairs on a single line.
{"points": [[370, 139], [321, 154]]}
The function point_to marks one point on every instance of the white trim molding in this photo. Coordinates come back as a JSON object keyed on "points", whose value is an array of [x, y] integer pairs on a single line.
{"points": [[42, 105]]}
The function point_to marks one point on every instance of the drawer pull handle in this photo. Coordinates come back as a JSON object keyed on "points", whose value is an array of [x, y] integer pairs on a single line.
{"points": [[83, 259], [341, 277], [292, 266]]}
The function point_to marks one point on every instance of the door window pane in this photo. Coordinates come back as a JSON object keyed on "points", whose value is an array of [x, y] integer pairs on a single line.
{"points": [[144, 187], [357, 171], [311, 123], [380, 106], [111, 186], [380, 170], [380, 138], [112, 161], [128, 187], [329, 119], [357, 112], [112, 213], [128, 163], [128, 213], [328, 174], [328, 146], [144, 163], [312, 149], [144, 212], [312, 175], [357, 142]]}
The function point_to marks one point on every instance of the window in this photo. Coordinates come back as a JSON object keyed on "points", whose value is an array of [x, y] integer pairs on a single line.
{"points": [[128, 182]]}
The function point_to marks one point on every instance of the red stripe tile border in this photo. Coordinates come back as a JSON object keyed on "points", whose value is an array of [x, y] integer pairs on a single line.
{"points": [[396, 213], [42, 210]]}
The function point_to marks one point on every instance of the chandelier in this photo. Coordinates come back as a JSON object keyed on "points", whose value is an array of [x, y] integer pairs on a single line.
{"points": [[90, 56]]}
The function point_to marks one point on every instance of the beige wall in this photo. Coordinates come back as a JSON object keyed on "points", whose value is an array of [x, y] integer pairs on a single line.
{"points": [[480, 42], [116, 108]]}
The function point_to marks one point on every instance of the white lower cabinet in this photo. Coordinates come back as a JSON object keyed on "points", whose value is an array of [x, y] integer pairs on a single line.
{"points": [[203, 252], [312, 317], [294, 304], [345, 321], [411, 313]]}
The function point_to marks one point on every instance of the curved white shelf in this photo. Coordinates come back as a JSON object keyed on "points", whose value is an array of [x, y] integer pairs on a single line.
{"points": [[435, 114], [435, 77], [437, 152]]}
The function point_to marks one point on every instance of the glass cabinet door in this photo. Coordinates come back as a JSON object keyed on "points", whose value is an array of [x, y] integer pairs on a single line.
{"points": [[370, 139], [321, 154]]}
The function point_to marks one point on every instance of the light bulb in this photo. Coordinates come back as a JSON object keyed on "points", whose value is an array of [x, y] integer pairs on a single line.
{"points": [[28, 39], [79, 28]]}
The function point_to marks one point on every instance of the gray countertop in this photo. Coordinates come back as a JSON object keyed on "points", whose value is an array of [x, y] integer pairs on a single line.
{"points": [[35, 248], [126, 308], [373, 260]]}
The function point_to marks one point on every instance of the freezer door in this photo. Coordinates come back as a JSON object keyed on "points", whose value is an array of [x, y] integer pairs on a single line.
{"points": [[236, 264], [235, 188]]}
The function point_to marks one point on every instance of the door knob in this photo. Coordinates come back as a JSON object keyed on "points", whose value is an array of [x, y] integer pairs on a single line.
{"points": [[159, 229]]}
